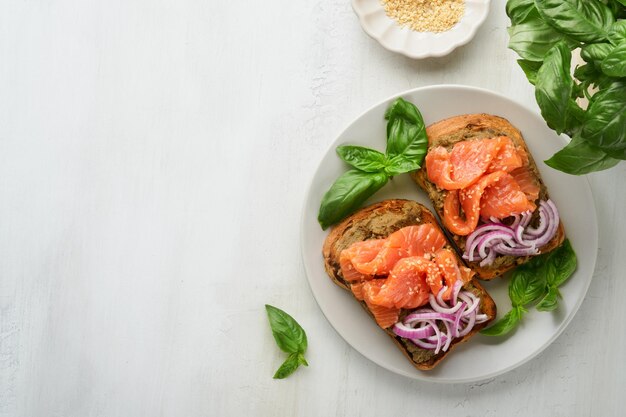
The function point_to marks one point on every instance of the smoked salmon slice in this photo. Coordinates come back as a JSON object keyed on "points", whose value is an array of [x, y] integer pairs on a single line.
{"points": [[359, 253], [508, 157], [384, 316], [484, 178], [401, 271], [463, 166], [495, 194], [449, 273], [527, 182], [406, 286], [367, 259], [504, 197]]}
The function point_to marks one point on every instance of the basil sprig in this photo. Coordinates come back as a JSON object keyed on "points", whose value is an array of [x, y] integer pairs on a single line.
{"points": [[543, 33], [406, 147], [290, 338], [536, 281]]}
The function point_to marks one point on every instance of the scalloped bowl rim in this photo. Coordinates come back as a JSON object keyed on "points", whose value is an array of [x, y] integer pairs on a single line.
{"points": [[462, 39]]}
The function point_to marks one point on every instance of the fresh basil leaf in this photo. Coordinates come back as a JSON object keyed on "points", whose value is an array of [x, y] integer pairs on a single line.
{"points": [[400, 164], [617, 34], [575, 116], [530, 68], [347, 194], [526, 285], [614, 64], [605, 122], [550, 301], [505, 324], [579, 157], [365, 159], [520, 11], [536, 262], [553, 88], [582, 20], [289, 336], [406, 132], [563, 261], [532, 40], [617, 7], [302, 360], [289, 366], [587, 72], [595, 51]]}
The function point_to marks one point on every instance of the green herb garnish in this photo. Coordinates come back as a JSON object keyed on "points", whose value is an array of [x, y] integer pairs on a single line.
{"points": [[543, 33], [536, 280], [406, 147], [290, 338]]}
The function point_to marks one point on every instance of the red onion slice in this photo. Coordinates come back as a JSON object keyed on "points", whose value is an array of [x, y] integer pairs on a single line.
{"points": [[457, 321], [496, 238], [503, 249], [439, 307], [491, 256], [455, 290], [428, 316], [422, 326], [470, 325], [408, 332]]}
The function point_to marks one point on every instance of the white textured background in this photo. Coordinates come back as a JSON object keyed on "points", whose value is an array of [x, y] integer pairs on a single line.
{"points": [[154, 157]]}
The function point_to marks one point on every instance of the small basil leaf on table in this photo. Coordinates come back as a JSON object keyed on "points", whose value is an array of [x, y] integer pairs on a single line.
{"points": [[526, 286], [520, 11], [347, 193], [289, 336], [365, 159], [289, 366], [605, 121], [563, 261], [550, 301], [583, 20], [553, 87], [532, 40], [614, 64], [505, 324], [579, 157], [406, 132]]}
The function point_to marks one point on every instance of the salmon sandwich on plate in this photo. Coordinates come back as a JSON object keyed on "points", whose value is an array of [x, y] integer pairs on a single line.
{"points": [[488, 193], [416, 272]]}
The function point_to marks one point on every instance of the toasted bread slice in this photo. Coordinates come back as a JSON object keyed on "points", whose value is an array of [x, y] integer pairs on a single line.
{"points": [[379, 221], [472, 127]]}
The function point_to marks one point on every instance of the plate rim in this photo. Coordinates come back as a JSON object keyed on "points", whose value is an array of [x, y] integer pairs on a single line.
{"points": [[425, 377]]}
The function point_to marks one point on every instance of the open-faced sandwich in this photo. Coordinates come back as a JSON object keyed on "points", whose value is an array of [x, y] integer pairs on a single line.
{"points": [[488, 193], [396, 261]]}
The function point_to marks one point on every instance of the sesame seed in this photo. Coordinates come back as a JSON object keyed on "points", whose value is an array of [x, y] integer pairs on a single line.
{"points": [[425, 15]]}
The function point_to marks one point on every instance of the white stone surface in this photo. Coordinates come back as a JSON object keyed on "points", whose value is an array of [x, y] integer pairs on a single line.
{"points": [[154, 157]]}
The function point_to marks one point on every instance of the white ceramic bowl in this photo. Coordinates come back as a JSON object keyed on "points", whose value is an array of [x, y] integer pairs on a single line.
{"points": [[403, 40]]}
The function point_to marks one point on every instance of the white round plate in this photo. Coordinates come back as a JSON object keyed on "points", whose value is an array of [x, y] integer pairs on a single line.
{"points": [[482, 357], [385, 30]]}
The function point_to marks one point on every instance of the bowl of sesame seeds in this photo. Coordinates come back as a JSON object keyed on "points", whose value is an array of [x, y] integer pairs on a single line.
{"points": [[421, 28]]}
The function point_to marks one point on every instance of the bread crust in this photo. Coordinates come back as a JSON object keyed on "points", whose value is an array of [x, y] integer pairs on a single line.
{"points": [[379, 221], [456, 129]]}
